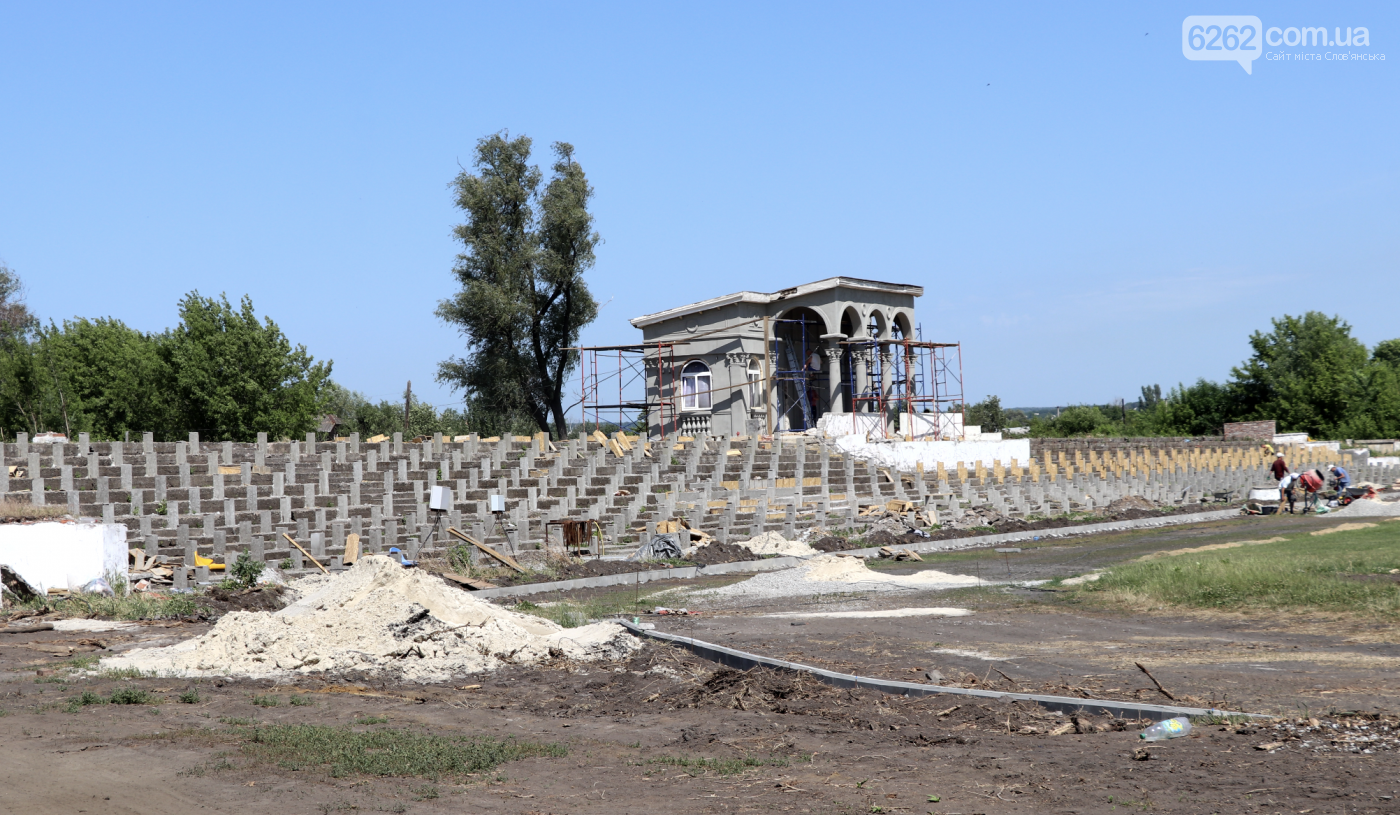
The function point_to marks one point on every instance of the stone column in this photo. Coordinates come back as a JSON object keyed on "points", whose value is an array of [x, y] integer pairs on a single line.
{"points": [[833, 357], [886, 377], [860, 357]]}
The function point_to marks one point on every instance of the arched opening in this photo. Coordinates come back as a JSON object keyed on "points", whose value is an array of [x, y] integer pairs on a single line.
{"points": [[901, 329], [695, 386], [876, 326], [801, 371]]}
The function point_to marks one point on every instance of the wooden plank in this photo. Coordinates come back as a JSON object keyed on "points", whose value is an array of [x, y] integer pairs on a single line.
{"points": [[376, 439], [293, 542], [509, 561], [352, 549]]}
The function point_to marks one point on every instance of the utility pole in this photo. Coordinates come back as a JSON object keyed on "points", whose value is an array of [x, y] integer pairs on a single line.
{"points": [[407, 403]]}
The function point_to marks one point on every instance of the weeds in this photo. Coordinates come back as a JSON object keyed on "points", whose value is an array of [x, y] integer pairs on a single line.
{"points": [[131, 607], [131, 696], [14, 510], [189, 697], [387, 753], [372, 720], [300, 701], [266, 701], [83, 700], [719, 766]]}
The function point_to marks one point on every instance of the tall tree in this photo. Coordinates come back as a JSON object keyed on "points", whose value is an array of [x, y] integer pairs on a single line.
{"points": [[1304, 373], [234, 376], [523, 299]]}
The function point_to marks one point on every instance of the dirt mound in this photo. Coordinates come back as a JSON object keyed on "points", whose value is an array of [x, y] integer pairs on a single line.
{"points": [[831, 543], [1129, 502], [378, 619], [881, 537], [720, 553], [258, 598]]}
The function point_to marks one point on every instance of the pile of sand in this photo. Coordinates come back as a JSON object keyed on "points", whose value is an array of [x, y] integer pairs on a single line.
{"points": [[834, 574], [771, 543], [378, 618]]}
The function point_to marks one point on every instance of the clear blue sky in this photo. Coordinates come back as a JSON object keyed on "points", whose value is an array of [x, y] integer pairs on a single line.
{"points": [[1087, 210]]}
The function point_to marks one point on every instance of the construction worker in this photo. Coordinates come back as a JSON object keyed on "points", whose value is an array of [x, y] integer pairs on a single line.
{"points": [[1279, 468], [1341, 480], [1312, 481], [1286, 491]]}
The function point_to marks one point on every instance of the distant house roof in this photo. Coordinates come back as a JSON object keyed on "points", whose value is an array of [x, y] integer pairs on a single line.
{"points": [[329, 423], [764, 299]]}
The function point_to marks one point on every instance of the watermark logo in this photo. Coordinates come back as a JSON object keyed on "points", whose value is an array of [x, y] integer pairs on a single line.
{"points": [[1237, 38], [1218, 37]]}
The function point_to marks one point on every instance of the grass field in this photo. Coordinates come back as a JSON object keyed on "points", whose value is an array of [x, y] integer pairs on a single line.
{"points": [[1348, 572]]}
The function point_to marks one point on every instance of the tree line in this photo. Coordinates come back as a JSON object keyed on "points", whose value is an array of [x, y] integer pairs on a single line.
{"points": [[1308, 373], [220, 371]]}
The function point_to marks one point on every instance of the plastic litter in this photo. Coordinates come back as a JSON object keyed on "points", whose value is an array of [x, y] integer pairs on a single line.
{"points": [[403, 561], [98, 585], [667, 545], [1167, 729]]}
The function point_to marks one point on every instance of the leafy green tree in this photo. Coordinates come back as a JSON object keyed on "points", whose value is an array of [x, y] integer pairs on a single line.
{"points": [[988, 414], [1387, 353], [1150, 398], [111, 378], [523, 299], [234, 376], [1304, 373]]}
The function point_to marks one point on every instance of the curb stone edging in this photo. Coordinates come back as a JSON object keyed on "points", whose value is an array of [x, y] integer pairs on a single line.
{"points": [[776, 563], [743, 660]]}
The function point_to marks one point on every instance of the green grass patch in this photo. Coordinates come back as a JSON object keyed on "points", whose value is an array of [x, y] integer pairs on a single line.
{"points": [[189, 697], [366, 720], [1322, 573], [131, 607], [386, 752], [266, 701]]}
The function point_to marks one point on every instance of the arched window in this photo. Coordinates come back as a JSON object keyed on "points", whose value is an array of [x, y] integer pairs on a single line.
{"points": [[755, 373], [695, 386]]}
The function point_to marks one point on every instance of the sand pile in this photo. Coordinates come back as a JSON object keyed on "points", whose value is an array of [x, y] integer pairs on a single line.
{"points": [[378, 618], [833, 574], [771, 543], [1369, 508]]}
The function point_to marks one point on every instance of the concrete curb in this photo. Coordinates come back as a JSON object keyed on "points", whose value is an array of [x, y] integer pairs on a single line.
{"points": [[776, 563], [742, 660]]}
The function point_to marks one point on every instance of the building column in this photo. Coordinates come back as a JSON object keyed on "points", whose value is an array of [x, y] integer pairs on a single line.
{"points": [[886, 378], [859, 356], [833, 357]]}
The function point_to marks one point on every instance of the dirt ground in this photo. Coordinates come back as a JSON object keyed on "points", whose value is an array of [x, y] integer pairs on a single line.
{"points": [[668, 732]]}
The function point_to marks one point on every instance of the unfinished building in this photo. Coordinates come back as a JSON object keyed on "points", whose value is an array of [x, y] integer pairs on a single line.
{"points": [[755, 363]]}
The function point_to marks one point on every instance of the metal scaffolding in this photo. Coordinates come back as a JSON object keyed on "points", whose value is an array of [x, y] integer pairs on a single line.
{"points": [[905, 376]]}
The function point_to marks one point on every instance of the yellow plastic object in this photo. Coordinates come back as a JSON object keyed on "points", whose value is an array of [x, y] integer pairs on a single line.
{"points": [[204, 561]]}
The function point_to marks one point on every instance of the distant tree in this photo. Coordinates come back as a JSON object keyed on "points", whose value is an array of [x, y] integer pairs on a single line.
{"points": [[1304, 373], [987, 414], [523, 300], [110, 378], [1387, 353], [1151, 396], [234, 376]]}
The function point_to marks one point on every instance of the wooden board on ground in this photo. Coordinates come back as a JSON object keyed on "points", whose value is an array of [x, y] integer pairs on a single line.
{"points": [[509, 561], [225, 469], [352, 549], [376, 439], [470, 583], [293, 542]]}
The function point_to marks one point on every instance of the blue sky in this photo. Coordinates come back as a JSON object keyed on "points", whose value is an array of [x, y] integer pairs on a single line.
{"points": [[1087, 210]]}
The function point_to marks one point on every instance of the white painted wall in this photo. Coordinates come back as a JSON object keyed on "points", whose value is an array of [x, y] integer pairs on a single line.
{"points": [[47, 554], [906, 455]]}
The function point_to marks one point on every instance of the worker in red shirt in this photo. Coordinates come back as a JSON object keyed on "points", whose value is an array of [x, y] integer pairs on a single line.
{"points": [[1279, 468]]}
